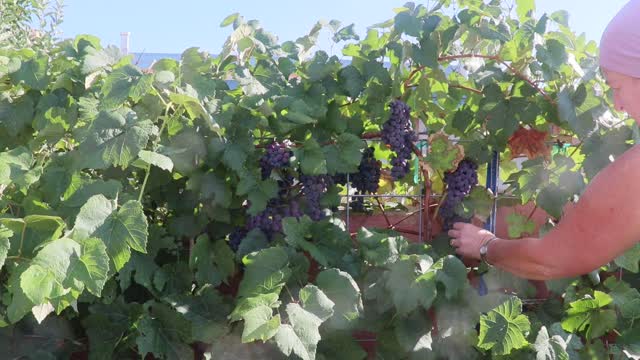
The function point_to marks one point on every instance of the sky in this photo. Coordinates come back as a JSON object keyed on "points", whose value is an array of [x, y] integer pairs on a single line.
{"points": [[173, 26]]}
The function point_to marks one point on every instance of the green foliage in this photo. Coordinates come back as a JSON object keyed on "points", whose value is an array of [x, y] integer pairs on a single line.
{"points": [[504, 328], [120, 188]]}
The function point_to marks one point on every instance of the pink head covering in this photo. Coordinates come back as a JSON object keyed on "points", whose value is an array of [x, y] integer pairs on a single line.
{"points": [[620, 44]]}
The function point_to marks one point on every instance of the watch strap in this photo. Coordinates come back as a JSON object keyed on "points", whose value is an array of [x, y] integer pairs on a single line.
{"points": [[485, 247]]}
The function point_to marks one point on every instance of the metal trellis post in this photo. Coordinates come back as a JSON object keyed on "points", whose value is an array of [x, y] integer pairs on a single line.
{"points": [[493, 170]]}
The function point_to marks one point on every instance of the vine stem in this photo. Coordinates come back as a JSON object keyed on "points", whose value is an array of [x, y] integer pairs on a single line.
{"points": [[17, 258], [495, 58]]}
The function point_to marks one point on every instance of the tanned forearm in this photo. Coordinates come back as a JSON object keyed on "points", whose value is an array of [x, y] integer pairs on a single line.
{"points": [[530, 258]]}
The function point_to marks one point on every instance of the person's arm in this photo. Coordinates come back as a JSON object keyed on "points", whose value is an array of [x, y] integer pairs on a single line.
{"points": [[601, 226]]}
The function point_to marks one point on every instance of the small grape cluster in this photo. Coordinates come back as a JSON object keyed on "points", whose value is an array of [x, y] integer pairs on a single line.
{"points": [[277, 156], [313, 187], [235, 238], [366, 180], [269, 221], [368, 176], [398, 134], [459, 184]]}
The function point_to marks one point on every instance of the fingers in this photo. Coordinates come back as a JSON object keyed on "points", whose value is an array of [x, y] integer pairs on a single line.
{"points": [[454, 242], [454, 233], [458, 225]]}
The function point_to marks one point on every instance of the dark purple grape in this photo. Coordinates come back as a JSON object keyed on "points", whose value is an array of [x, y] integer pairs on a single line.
{"points": [[277, 156], [236, 237], [313, 187], [459, 184], [398, 134]]}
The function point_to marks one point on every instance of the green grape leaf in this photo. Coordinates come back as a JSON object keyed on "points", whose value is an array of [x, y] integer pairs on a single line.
{"points": [[33, 73], [266, 271], [630, 259], [504, 328], [346, 33], [590, 316], [247, 304], [524, 9], [92, 266], [187, 150], [452, 273], [31, 232], [316, 302], [120, 229], [155, 159], [339, 345], [61, 264], [16, 166], [407, 23], [602, 149], [413, 334], [124, 83], [95, 58], [255, 240], [229, 20], [106, 326], [212, 262], [212, 187], [443, 155], [261, 194], [235, 156], [427, 53], [164, 333], [380, 249], [17, 116], [519, 225], [342, 289], [550, 348], [296, 234], [626, 298], [311, 157], [573, 342], [143, 268], [301, 335], [553, 54], [206, 311], [260, 324], [192, 105], [345, 155], [351, 81], [114, 139], [552, 199], [5, 243], [412, 283], [479, 202]]}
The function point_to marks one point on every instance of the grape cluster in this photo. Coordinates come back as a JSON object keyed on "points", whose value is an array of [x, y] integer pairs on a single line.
{"points": [[398, 134], [366, 180], [277, 156], [269, 220], [459, 185], [368, 176], [313, 187], [235, 238]]}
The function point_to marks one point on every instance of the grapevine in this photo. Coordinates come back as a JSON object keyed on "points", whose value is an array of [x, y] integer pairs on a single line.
{"points": [[185, 209]]}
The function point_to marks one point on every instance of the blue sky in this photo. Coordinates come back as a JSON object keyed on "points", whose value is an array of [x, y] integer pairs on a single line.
{"points": [[173, 26]]}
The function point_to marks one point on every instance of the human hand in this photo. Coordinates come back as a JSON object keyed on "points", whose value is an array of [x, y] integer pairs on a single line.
{"points": [[468, 238]]}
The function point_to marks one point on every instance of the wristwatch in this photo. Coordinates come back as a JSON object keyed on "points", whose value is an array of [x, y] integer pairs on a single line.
{"points": [[484, 248]]}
